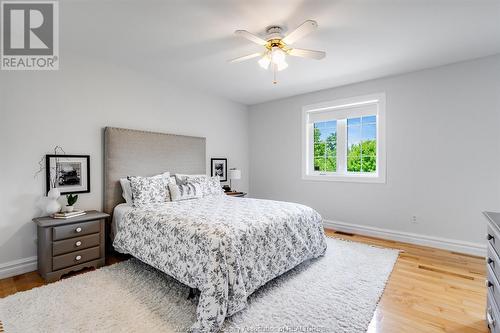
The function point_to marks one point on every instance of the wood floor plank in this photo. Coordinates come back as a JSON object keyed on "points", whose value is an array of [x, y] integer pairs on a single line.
{"points": [[430, 290]]}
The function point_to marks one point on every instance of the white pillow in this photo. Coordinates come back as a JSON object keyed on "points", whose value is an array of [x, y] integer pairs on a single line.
{"points": [[126, 190], [188, 190]]}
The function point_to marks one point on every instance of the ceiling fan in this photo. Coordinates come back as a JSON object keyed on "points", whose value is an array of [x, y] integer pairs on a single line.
{"points": [[277, 46]]}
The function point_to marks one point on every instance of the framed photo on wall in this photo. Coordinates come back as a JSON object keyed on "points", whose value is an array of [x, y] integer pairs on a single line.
{"points": [[68, 173], [219, 168]]}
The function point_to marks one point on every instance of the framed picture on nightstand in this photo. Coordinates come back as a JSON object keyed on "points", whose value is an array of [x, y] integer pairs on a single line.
{"points": [[219, 168]]}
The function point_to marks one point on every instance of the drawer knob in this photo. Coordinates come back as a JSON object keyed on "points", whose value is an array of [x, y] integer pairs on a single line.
{"points": [[489, 260], [78, 243], [487, 283], [490, 319], [78, 229], [489, 237], [78, 258]]}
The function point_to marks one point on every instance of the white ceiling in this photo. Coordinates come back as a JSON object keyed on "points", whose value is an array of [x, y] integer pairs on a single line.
{"points": [[190, 41]]}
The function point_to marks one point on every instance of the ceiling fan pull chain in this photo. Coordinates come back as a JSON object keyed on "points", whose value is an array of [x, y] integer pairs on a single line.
{"points": [[274, 74]]}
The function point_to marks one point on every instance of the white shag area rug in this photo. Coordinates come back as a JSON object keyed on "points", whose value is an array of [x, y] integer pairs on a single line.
{"points": [[335, 293]]}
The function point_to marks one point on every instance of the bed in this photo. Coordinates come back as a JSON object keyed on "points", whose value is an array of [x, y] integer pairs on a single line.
{"points": [[225, 247]]}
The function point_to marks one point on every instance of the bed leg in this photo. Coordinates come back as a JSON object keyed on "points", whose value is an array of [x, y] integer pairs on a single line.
{"points": [[192, 292]]}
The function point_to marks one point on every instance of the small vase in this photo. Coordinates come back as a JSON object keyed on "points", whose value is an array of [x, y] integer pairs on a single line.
{"points": [[69, 209], [54, 193], [53, 206]]}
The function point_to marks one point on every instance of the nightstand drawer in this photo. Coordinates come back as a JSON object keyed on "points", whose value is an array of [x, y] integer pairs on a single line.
{"points": [[492, 284], [493, 239], [75, 258], [492, 315], [493, 262], [75, 244], [75, 230]]}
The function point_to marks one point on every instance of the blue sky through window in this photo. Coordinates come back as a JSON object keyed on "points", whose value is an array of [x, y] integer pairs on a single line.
{"points": [[361, 129], [326, 128]]}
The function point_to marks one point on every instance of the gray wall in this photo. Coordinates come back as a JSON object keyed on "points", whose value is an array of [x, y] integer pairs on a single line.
{"points": [[70, 107], [443, 153]]}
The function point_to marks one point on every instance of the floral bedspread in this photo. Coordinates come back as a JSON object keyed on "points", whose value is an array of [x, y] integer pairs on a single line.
{"points": [[225, 247]]}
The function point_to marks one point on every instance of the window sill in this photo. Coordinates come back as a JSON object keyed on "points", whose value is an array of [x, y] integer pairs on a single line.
{"points": [[346, 178]]}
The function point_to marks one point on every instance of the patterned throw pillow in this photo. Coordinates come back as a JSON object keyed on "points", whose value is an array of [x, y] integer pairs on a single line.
{"points": [[213, 186], [200, 179], [183, 178], [127, 189], [149, 190], [187, 190], [209, 185]]}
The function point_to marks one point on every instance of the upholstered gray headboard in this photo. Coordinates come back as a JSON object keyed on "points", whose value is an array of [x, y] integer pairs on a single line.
{"points": [[130, 152]]}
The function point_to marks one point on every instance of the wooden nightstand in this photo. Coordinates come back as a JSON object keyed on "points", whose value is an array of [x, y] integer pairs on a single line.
{"points": [[66, 245], [236, 194]]}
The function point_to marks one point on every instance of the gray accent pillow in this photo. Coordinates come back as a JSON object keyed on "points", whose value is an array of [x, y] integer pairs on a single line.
{"points": [[187, 190], [209, 185]]}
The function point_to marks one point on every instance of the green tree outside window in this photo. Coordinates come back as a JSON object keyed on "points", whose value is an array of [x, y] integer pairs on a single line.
{"points": [[325, 149]]}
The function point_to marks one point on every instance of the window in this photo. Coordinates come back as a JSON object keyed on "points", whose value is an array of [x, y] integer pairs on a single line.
{"points": [[344, 140]]}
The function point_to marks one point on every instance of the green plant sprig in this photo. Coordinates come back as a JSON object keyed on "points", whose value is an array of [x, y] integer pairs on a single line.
{"points": [[71, 199]]}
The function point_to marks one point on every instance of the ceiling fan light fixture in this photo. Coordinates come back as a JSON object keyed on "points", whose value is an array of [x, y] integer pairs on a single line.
{"points": [[265, 61], [277, 55]]}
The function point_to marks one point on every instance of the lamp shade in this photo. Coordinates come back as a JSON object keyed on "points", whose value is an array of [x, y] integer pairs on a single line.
{"points": [[234, 174]]}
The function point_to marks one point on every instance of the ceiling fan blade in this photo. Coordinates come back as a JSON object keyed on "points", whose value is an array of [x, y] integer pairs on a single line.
{"points": [[251, 37], [303, 29], [303, 53], [249, 56]]}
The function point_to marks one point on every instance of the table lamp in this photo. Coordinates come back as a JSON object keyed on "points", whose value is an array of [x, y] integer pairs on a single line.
{"points": [[234, 174]]}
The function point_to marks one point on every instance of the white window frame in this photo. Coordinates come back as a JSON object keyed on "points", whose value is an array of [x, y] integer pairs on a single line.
{"points": [[343, 106]]}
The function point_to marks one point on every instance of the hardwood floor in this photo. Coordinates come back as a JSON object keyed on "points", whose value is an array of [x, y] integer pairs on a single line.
{"points": [[429, 290]]}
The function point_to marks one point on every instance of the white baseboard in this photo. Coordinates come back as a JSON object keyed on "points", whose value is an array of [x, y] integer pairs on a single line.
{"points": [[16, 267], [408, 237]]}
